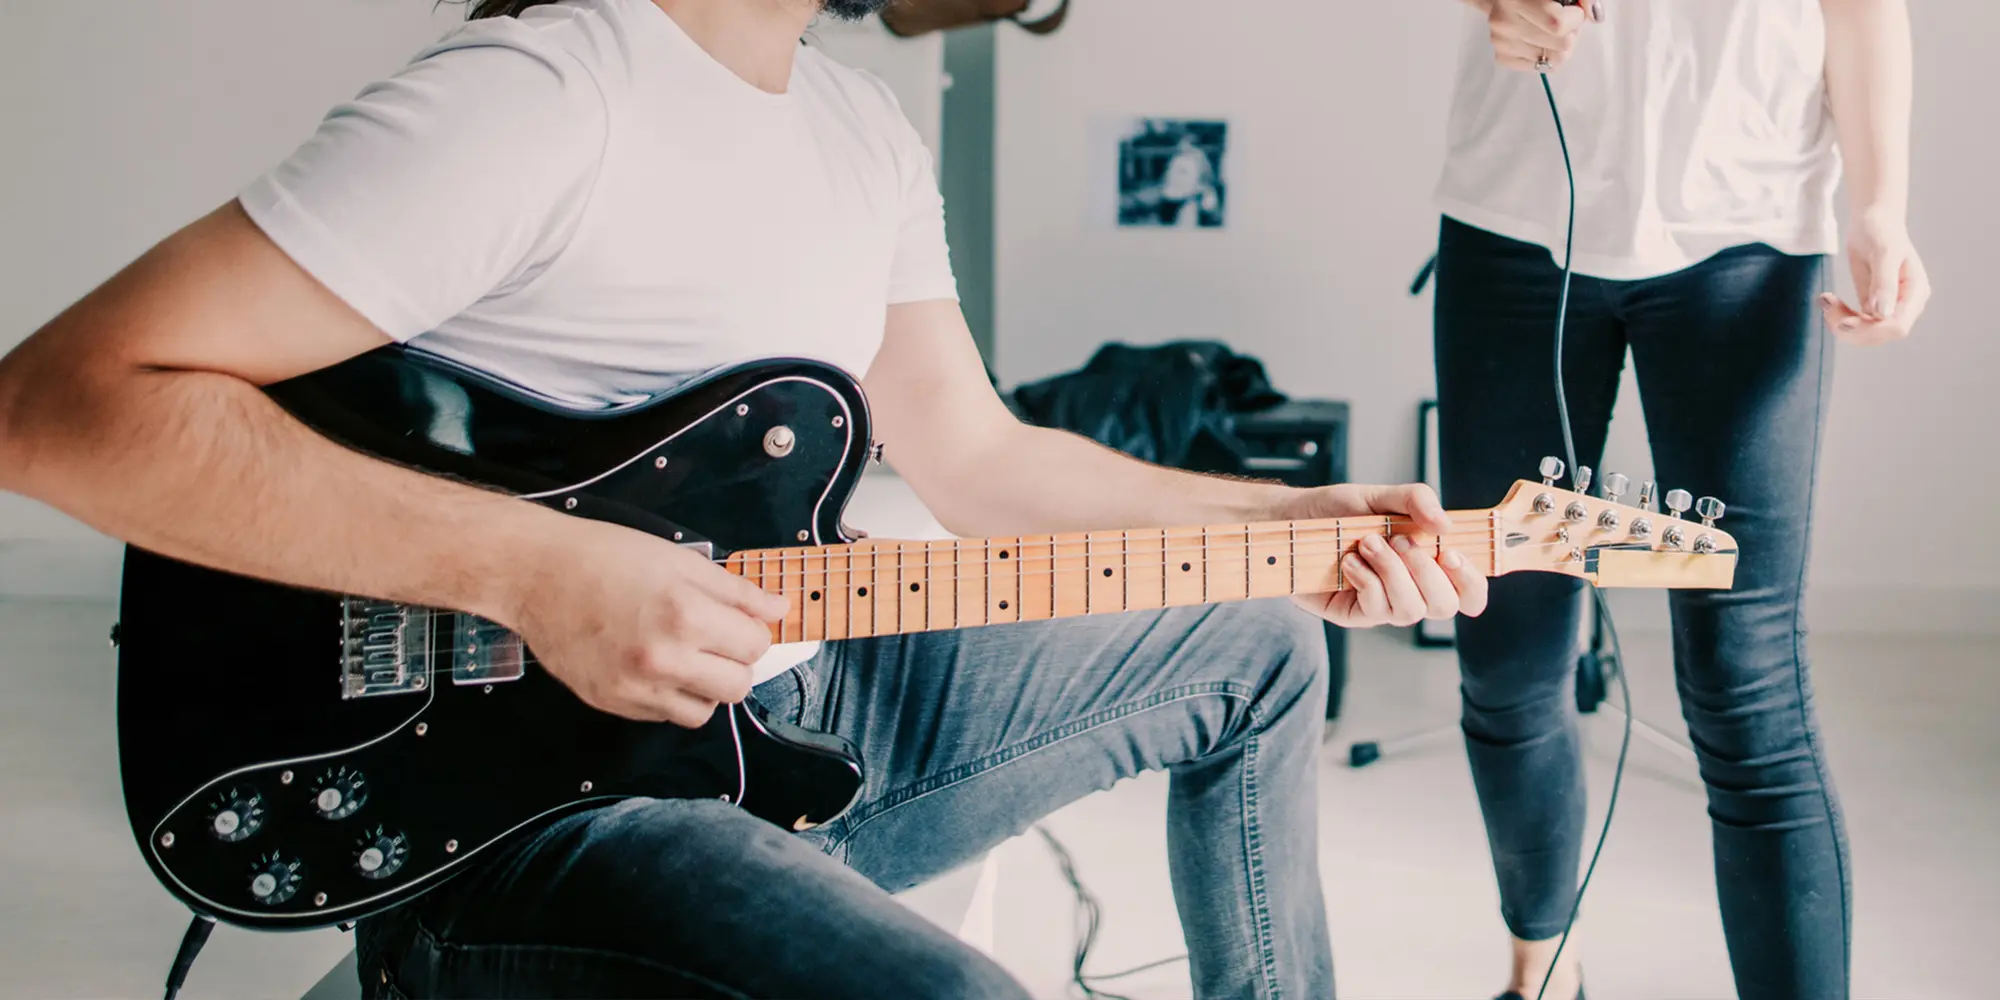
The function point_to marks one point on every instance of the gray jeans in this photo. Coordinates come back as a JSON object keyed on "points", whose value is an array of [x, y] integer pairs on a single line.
{"points": [[967, 738]]}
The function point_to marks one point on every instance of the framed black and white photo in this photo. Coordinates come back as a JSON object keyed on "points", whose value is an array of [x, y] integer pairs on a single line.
{"points": [[1171, 173]]}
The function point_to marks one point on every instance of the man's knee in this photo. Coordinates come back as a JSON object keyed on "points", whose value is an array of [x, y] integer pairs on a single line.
{"points": [[1287, 646]]}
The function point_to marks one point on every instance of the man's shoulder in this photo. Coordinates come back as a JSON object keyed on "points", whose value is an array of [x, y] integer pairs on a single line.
{"points": [[574, 40], [857, 88]]}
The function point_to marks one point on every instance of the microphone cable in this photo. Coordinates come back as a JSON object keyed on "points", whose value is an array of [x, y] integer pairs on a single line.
{"points": [[1597, 595]]}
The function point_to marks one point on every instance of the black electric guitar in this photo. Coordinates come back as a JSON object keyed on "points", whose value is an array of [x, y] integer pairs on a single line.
{"points": [[294, 759]]}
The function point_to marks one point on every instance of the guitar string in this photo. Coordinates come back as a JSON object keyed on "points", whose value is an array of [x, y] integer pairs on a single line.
{"points": [[1067, 563], [1312, 539], [1071, 562]]}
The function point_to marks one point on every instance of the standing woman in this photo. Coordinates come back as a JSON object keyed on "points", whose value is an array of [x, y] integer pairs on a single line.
{"points": [[1708, 138]]}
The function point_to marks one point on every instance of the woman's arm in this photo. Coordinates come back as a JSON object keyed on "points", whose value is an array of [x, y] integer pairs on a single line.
{"points": [[1868, 79]]}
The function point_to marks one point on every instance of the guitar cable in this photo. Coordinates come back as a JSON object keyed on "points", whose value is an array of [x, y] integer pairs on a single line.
{"points": [[1597, 594], [191, 942]]}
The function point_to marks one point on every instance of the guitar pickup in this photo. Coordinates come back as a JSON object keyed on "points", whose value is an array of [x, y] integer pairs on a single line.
{"points": [[483, 652]]}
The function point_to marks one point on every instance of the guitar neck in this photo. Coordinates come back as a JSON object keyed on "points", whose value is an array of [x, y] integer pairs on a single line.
{"points": [[875, 588]]}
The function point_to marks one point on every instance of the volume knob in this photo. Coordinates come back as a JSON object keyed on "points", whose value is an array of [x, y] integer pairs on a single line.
{"points": [[235, 814], [338, 792], [380, 853], [275, 878]]}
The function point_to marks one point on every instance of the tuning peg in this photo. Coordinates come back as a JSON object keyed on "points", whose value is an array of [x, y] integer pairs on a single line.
{"points": [[1710, 510], [1615, 486], [1583, 479], [1678, 502], [1552, 470], [1646, 494]]}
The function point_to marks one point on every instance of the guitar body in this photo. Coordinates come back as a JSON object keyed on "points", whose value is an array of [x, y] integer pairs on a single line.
{"points": [[294, 759]]}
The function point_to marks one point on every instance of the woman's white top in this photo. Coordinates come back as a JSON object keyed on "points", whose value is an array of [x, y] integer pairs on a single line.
{"points": [[1694, 126]]}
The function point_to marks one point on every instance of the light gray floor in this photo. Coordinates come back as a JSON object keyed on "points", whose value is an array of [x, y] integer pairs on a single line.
{"points": [[1912, 724]]}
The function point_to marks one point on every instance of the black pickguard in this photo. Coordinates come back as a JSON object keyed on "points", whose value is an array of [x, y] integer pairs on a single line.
{"points": [[232, 685]]}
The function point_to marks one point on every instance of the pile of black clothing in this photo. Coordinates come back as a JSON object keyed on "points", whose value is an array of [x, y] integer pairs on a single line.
{"points": [[1174, 404]]}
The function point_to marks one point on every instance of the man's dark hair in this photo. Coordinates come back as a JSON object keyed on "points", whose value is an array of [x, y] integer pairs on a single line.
{"points": [[845, 10], [500, 8]]}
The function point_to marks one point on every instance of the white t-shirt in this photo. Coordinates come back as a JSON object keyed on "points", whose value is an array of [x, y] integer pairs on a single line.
{"points": [[1694, 126], [585, 203]]}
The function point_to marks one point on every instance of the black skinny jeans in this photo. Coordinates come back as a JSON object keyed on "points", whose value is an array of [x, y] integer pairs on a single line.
{"points": [[1733, 367]]}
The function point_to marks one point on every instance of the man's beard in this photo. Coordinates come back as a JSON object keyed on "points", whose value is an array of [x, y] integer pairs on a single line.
{"points": [[851, 10]]}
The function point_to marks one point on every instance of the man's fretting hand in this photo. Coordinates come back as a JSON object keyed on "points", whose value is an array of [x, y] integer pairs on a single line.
{"points": [[1391, 583]]}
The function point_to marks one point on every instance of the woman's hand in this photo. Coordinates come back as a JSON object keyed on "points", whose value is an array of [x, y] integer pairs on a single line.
{"points": [[1528, 31], [1889, 278]]}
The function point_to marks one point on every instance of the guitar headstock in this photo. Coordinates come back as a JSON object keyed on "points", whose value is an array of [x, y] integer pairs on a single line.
{"points": [[1544, 528]]}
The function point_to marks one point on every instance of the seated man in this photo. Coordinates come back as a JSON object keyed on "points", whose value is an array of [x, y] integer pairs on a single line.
{"points": [[595, 199]]}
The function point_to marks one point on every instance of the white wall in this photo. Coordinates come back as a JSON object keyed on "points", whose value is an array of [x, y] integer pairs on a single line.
{"points": [[126, 119], [1336, 127]]}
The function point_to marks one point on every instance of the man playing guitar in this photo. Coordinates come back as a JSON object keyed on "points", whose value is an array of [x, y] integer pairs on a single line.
{"points": [[597, 199]]}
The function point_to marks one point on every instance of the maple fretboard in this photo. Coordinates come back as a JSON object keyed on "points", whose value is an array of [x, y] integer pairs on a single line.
{"points": [[890, 587]]}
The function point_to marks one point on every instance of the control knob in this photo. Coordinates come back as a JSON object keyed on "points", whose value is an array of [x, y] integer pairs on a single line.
{"points": [[235, 814], [338, 792], [380, 852], [275, 878]]}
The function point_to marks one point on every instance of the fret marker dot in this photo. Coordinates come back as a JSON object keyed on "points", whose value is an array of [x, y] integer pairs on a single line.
{"points": [[915, 587], [1186, 566], [1003, 553], [1003, 605], [815, 595], [863, 592], [1270, 560], [1107, 571]]}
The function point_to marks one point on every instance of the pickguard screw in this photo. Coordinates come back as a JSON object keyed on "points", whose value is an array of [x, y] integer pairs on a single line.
{"points": [[586, 786], [840, 421], [319, 899], [805, 536], [285, 778], [660, 463], [569, 504], [742, 409], [489, 689], [451, 847], [416, 684], [166, 840], [423, 727]]}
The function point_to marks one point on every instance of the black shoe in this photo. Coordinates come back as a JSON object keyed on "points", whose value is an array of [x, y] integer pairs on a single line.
{"points": [[1511, 995]]}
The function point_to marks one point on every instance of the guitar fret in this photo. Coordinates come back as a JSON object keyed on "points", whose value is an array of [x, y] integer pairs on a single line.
{"points": [[1125, 570], [1293, 560]]}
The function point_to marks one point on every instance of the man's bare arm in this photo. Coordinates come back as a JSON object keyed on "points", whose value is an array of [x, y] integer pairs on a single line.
{"points": [[138, 411], [982, 472]]}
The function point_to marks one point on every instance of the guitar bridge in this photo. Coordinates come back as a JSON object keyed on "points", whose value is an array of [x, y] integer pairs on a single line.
{"points": [[385, 648]]}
